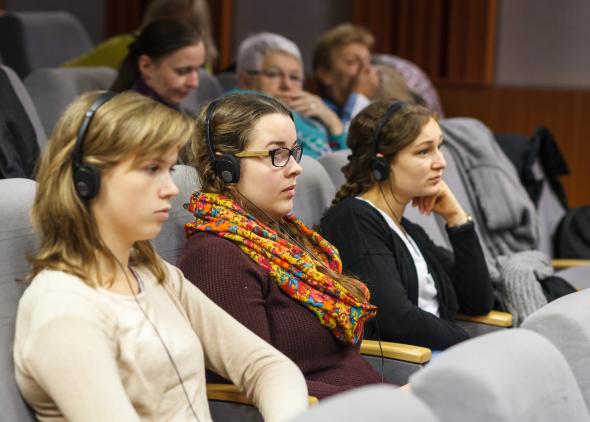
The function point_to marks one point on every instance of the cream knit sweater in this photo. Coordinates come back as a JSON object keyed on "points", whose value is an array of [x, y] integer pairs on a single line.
{"points": [[84, 354]]}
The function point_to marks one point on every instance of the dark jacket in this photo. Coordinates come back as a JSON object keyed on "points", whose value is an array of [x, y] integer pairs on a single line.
{"points": [[372, 251]]}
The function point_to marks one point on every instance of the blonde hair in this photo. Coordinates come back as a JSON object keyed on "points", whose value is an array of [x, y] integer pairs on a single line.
{"points": [[129, 125]]}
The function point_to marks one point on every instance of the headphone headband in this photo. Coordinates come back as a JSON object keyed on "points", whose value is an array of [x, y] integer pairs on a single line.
{"points": [[87, 176], [78, 151], [389, 113], [379, 165]]}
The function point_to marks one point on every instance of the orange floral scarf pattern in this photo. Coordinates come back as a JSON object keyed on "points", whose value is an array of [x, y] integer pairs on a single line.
{"points": [[293, 268]]}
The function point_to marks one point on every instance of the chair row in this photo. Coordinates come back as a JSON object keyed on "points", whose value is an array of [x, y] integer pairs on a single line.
{"points": [[46, 92], [17, 241]]}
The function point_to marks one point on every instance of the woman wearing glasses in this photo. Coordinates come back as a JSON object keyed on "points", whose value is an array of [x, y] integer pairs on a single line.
{"points": [[260, 263], [271, 64]]}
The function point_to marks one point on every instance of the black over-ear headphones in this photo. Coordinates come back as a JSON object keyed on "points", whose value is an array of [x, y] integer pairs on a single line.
{"points": [[226, 166], [380, 165], [87, 176]]}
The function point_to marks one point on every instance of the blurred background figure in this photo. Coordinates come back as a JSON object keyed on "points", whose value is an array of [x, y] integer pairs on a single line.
{"points": [[342, 69], [163, 63], [194, 13]]}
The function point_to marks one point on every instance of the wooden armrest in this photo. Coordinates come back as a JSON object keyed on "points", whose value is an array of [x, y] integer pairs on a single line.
{"points": [[399, 351], [230, 393], [566, 263], [497, 318]]}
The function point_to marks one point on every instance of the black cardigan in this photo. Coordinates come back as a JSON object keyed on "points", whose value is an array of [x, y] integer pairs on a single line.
{"points": [[372, 251]]}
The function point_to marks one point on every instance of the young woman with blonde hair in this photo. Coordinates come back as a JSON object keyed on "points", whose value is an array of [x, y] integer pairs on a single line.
{"points": [[107, 331], [260, 263]]}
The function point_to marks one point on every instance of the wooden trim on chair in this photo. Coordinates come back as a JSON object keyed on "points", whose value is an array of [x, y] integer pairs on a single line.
{"points": [[398, 351], [230, 393], [497, 318], [567, 263]]}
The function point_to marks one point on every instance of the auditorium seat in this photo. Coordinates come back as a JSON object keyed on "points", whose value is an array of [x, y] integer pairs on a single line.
{"points": [[209, 88], [16, 242], [506, 376], [29, 40], [314, 192], [53, 89], [23, 96], [333, 163], [374, 403], [171, 240], [564, 322]]}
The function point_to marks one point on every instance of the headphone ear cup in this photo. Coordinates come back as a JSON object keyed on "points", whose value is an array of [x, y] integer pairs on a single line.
{"points": [[380, 168], [87, 181], [228, 168]]}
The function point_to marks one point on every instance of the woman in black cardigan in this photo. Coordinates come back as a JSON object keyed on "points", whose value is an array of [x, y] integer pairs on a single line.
{"points": [[417, 286]]}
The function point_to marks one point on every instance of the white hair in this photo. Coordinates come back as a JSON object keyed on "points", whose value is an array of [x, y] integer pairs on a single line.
{"points": [[254, 49]]}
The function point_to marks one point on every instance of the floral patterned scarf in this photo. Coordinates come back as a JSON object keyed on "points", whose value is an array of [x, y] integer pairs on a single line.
{"points": [[293, 268]]}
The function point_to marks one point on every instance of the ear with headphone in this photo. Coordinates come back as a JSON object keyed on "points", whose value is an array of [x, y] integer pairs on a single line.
{"points": [[87, 176], [380, 166], [227, 167]]}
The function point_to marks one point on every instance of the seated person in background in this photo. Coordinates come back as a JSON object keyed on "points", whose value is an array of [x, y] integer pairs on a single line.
{"points": [[107, 330], [271, 64], [194, 13], [417, 81], [342, 69], [259, 262], [417, 286], [393, 87], [163, 63]]}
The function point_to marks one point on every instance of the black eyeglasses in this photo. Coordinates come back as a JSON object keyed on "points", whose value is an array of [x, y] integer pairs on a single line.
{"points": [[278, 156]]}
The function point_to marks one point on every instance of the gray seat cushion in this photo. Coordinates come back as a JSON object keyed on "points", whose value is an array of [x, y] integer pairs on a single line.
{"points": [[16, 242], [510, 375], [565, 322]]}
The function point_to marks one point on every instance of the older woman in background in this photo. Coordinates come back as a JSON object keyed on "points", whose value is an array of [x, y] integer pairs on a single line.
{"points": [[271, 64]]}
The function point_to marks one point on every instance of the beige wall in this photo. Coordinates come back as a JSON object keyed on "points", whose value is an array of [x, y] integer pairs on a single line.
{"points": [[543, 43]]}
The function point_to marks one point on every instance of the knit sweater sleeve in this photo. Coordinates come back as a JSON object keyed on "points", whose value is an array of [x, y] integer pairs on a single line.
{"points": [[274, 383], [368, 251]]}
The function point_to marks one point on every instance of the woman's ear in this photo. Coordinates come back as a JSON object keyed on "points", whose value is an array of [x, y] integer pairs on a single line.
{"points": [[146, 66], [379, 155]]}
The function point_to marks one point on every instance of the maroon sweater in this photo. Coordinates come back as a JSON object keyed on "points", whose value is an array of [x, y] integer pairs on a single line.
{"points": [[236, 283]]}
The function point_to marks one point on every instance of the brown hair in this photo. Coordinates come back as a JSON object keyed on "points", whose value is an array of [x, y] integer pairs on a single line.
{"points": [[128, 125], [338, 36], [157, 40], [397, 133], [233, 121]]}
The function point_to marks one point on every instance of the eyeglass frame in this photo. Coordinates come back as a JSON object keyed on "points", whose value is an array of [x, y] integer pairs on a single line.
{"points": [[271, 153], [279, 72]]}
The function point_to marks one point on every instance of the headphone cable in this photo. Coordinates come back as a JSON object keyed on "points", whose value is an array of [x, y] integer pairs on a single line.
{"points": [[157, 332]]}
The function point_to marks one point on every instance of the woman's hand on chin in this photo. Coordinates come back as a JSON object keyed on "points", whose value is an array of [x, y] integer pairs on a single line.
{"points": [[442, 203]]}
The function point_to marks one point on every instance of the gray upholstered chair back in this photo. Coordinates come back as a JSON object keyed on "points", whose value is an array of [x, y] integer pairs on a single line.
{"points": [[208, 89], [228, 80], [16, 242], [314, 192], [564, 322], [27, 103], [506, 376], [333, 163], [29, 40], [432, 224], [375, 403], [53, 89], [171, 240]]}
